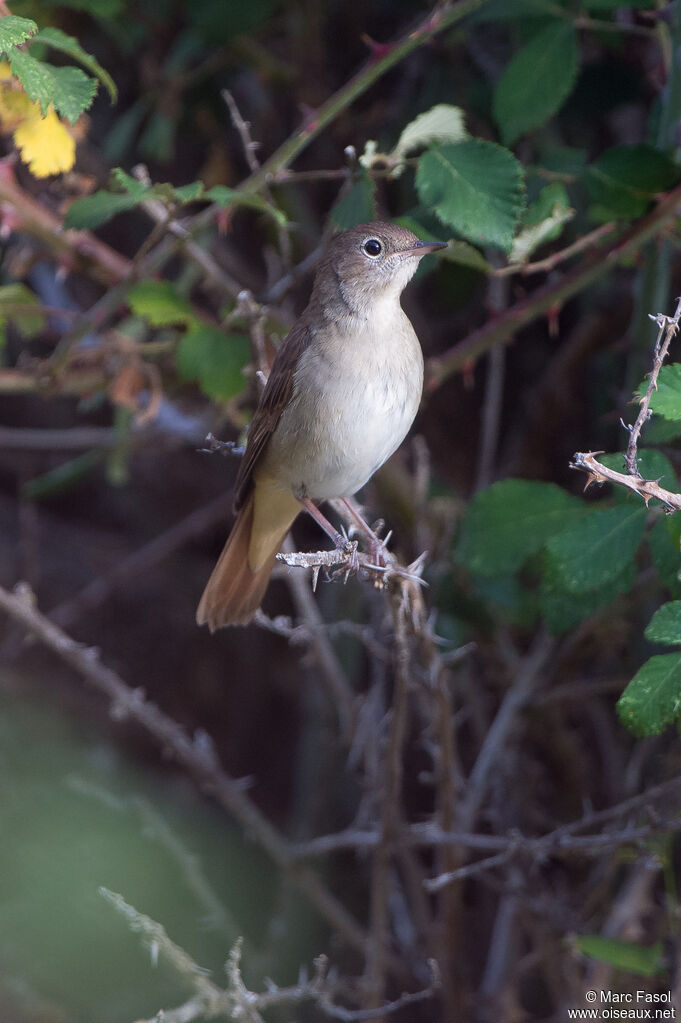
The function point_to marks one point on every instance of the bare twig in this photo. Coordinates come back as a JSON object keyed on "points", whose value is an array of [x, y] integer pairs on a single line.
{"points": [[668, 328], [586, 241]]}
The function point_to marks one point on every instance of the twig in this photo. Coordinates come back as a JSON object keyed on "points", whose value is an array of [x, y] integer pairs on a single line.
{"points": [[668, 328], [599, 473], [159, 942], [390, 810], [99, 590], [497, 301], [521, 690], [554, 260], [244, 130], [197, 754]]}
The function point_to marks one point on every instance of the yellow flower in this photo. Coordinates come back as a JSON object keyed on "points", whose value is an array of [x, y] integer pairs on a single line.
{"points": [[45, 144]]}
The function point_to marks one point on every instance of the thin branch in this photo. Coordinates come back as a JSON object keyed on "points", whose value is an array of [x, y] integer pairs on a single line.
{"points": [[518, 695], [586, 241]]}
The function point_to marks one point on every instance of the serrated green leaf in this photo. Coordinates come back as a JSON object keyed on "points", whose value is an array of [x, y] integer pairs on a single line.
{"points": [[214, 359], [537, 81], [68, 89], [26, 322], [512, 520], [652, 699], [595, 550], [93, 210], [59, 40], [357, 206], [644, 960], [441, 124], [14, 31], [625, 180], [562, 610], [161, 304], [665, 625], [666, 398], [543, 222], [476, 187]]}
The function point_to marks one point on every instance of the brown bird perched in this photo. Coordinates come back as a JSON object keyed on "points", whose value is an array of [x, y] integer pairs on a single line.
{"points": [[343, 391]]}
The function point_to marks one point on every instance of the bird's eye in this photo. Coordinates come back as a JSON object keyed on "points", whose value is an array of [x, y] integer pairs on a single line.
{"points": [[372, 247]]}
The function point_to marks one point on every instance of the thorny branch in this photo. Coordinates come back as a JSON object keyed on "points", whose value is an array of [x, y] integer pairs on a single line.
{"points": [[236, 1001], [632, 479]]}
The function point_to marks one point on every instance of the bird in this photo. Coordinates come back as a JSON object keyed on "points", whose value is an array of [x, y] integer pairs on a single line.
{"points": [[343, 391]]}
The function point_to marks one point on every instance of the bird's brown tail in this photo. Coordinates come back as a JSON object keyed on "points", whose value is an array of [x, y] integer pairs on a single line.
{"points": [[234, 591]]}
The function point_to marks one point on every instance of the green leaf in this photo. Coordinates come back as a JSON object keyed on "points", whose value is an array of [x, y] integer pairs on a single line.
{"points": [[562, 610], [476, 187], [665, 625], [27, 323], [214, 359], [595, 550], [512, 520], [59, 40], [14, 31], [441, 124], [537, 81], [161, 304], [93, 210], [652, 699], [624, 180], [67, 89], [645, 960], [666, 398], [358, 205], [543, 222]]}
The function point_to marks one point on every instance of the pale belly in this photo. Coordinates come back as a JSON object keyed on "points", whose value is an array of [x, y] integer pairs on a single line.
{"points": [[344, 422]]}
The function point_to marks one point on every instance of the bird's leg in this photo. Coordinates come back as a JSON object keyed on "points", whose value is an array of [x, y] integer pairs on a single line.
{"points": [[341, 542], [377, 546]]}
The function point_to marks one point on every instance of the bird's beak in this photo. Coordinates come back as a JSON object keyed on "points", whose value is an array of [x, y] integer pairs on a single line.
{"points": [[425, 248]]}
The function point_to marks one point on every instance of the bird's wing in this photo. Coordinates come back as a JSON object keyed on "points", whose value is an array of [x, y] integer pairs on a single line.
{"points": [[275, 398]]}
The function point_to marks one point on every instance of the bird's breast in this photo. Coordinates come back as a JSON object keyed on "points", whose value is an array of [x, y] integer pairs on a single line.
{"points": [[356, 392]]}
